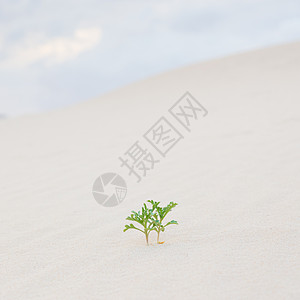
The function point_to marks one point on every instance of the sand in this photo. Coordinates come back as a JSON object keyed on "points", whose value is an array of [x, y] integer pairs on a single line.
{"points": [[235, 176]]}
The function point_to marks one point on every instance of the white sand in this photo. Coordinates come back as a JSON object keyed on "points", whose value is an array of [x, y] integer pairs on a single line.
{"points": [[236, 177]]}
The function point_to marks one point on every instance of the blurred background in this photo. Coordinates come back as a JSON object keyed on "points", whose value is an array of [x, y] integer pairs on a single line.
{"points": [[57, 52]]}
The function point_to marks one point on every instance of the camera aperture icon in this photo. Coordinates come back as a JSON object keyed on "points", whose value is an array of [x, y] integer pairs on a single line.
{"points": [[109, 189]]}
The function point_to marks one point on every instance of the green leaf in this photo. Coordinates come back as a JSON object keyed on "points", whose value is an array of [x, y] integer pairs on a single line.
{"points": [[172, 222]]}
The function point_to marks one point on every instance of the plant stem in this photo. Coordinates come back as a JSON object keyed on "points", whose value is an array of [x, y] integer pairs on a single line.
{"points": [[147, 239], [158, 236]]}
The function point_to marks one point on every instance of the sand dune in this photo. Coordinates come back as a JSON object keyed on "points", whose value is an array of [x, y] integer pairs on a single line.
{"points": [[235, 177]]}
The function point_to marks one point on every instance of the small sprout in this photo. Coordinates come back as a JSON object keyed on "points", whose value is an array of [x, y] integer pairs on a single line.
{"points": [[151, 219], [143, 219], [159, 216]]}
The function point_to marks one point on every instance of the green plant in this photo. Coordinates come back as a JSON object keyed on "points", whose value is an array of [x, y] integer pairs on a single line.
{"points": [[143, 219], [151, 219], [159, 215]]}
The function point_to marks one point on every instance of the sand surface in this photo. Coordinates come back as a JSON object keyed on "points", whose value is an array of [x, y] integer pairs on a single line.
{"points": [[236, 177]]}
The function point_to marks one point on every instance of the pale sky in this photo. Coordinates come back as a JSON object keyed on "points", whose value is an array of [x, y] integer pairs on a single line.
{"points": [[57, 52]]}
